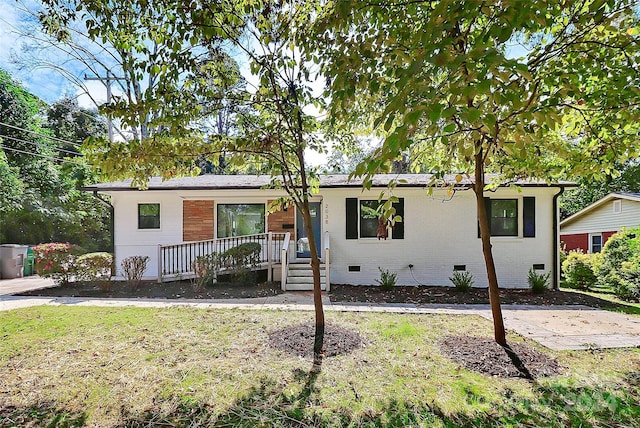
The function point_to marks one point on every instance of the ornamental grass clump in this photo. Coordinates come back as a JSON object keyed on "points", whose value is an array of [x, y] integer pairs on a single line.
{"points": [[538, 282], [462, 280], [387, 279], [55, 260]]}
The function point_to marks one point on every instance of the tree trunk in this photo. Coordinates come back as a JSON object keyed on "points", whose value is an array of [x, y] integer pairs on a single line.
{"points": [[318, 352], [485, 235]]}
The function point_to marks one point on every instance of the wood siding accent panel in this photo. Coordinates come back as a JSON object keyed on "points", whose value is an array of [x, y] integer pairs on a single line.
{"points": [[280, 220], [606, 236], [197, 220]]}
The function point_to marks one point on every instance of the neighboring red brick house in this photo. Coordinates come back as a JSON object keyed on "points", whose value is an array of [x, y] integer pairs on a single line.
{"points": [[588, 230]]}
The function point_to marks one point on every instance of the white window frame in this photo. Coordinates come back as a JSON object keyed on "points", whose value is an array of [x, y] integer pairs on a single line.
{"points": [[371, 238], [138, 216], [591, 236], [264, 204]]}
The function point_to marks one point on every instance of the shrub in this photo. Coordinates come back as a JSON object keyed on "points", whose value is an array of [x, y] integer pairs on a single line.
{"points": [[578, 271], [205, 269], [538, 282], [462, 280], [55, 260], [619, 264], [96, 267], [133, 269], [387, 279], [239, 260], [628, 284]]}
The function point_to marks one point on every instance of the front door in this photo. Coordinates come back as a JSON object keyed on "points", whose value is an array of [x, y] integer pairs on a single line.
{"points": [[302, 242]]}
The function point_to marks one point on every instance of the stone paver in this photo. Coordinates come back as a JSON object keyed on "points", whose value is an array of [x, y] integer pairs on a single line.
{"points": [[556, 327]]}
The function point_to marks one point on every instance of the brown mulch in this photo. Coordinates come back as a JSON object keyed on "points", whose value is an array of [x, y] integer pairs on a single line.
{"points": [[166, 290], [449, 295], [485, 356], [298, 340]]}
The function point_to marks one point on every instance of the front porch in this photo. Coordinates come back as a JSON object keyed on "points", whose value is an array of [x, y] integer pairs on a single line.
{"points": [[277, 256]]}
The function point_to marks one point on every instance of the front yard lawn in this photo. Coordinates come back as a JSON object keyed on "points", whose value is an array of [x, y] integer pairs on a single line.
{"points": [[76, 366]]}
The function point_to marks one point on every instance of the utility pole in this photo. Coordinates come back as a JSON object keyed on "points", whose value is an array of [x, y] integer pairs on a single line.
{"points": [[107, 82]]}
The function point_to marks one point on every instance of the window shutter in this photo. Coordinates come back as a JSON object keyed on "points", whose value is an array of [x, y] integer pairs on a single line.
{"points": [[487, 206], [352, 218], [398, 228], [529, 216]]}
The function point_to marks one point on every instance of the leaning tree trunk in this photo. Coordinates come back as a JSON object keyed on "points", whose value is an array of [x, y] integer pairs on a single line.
{"points": [[318, 352], [485, 235]]}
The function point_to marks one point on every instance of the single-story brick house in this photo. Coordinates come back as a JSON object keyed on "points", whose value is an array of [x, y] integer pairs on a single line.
{"points": [[177, 218], [589, 229]]}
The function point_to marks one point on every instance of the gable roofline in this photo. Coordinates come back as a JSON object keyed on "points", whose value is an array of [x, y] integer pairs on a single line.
{"points": [[611, 196], [237, 182]]}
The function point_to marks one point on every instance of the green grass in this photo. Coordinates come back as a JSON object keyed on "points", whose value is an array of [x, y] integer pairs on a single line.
{"points": [[76, 366], [606, 294]]}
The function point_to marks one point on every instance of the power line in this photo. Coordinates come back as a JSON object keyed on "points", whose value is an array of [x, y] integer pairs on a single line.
{"points": [[41, 135], [39, 145], [3, 147]]}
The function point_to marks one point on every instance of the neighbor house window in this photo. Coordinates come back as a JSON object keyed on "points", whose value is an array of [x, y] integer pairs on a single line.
{"points": [[240, 219], [596, 243], [503, 216], [148, 216]]}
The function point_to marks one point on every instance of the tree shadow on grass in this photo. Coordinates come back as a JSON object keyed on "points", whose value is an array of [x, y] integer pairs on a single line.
{"points": [[40, 415], [270, 404]]}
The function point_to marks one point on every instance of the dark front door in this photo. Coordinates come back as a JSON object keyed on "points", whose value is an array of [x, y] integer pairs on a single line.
{"points": [[302, 241]]}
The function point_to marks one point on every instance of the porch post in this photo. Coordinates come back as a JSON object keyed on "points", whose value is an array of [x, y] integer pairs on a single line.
{"points": [[159, 262], [269, 256]]}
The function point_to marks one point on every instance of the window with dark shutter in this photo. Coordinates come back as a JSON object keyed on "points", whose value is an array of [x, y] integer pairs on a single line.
{"points": [[529, 216], [352, 218]]}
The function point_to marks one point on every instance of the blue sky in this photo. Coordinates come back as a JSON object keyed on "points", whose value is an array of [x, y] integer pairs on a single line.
{"points": [[45, 83]]}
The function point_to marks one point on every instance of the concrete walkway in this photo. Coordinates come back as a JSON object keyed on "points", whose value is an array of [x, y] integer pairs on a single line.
{"points": [[570, 327]]}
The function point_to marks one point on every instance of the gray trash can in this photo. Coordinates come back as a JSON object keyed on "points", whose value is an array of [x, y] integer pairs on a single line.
{"points": [[12, 260]]}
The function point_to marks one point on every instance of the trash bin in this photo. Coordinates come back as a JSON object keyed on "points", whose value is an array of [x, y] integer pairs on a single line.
{"points": [[12, 260], [29, 263]]}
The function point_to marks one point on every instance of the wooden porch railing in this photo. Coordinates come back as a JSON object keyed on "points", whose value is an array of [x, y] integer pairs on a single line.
{"points": [[177, 260], [327, 261], [284, 258]]}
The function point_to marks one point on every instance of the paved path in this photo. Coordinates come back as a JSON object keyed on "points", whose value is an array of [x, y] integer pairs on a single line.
{"points": [[20, 285], [556, 327]]}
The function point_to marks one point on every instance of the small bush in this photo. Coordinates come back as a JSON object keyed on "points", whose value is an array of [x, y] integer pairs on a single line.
{"points": [[133, 269], [619, 262], [628, 284], [578, 271], [387, 279], [96, 267], [538, 282], [240, 260], [462, 280], [205, 269], [55, 260]]}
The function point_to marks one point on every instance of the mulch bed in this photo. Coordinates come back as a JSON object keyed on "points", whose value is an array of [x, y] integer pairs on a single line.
{"points": [[449, 295], [298, 340], [166, 290], [485, 356]]}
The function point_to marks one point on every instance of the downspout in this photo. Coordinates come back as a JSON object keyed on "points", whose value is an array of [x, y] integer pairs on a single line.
{"points": [[112, 245], [556, 241]]}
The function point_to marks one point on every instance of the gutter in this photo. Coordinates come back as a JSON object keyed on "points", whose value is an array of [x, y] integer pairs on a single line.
{"points": [[112, 245], [556, 242]]}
